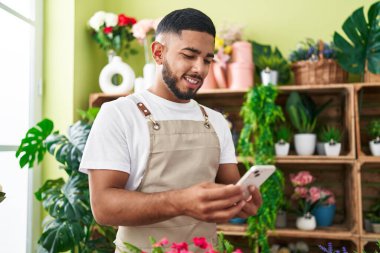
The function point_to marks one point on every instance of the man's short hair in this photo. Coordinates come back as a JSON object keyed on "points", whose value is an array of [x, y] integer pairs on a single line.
{"points": [[186, 19]]}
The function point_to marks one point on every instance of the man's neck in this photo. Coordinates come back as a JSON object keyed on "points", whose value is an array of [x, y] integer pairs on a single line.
{"points": [[161, 90]]}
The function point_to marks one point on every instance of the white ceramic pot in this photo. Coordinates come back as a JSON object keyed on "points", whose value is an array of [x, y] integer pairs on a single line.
{"points": [[321, 148], [116, 66], [332, 149], [269, 76], [306, 222], [376, 227], [305, 143], [375, 148], [282, 149]]}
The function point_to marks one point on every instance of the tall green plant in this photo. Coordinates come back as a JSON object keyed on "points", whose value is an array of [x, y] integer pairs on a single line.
{"points": [[70, 224], [363, 44], [260, 113]]}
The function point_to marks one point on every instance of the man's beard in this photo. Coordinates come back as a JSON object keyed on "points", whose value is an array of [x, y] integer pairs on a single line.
{"points": [[171, 81]]}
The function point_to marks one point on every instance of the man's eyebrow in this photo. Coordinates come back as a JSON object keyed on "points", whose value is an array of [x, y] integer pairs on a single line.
{"points": [[196, 51]]}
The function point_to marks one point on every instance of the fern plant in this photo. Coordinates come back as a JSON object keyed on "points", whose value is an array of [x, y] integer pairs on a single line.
{"points": [[260, 113], [330, 134]]}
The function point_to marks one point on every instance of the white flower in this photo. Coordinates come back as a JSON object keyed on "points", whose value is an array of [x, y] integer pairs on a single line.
{"points": [[111, 19], [97, 20]]}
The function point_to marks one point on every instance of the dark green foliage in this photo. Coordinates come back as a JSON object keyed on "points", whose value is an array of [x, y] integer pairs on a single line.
{"points": [[374, 128], [330, 134], [363, 44]]}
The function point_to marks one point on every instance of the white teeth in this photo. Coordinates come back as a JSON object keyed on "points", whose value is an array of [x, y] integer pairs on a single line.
{"points": [[193, 81]]}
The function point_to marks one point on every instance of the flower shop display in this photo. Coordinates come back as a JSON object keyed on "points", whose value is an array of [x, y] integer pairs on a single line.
{"points": [[2, 194], [113, 34], [314, 63], [330, 140], [303, 114], [143, 31], [315, 205], [360, 52], [283, 137], [374, 133], [270, 64]]}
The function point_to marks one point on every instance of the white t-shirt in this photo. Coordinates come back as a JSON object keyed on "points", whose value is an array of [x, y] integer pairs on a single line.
{"points": [[119, 138]]}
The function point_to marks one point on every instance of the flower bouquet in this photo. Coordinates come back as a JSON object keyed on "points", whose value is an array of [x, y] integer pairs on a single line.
{"points": [[309, 198]]}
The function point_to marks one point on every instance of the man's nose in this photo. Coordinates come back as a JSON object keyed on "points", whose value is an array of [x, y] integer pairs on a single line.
{"points": [[200, 67]]}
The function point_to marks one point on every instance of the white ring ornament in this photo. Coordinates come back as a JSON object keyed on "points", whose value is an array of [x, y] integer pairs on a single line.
{"points": [[116, 66]]}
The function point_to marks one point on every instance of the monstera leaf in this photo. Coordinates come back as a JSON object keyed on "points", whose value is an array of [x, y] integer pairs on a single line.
{"points": [[33, 145], [364, 41], [69, 150]]}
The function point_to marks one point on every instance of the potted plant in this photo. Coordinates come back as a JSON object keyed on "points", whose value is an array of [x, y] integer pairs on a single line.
{"points": [[283, 137], [374, 217], [330, 138], [303, 114], [69, 225], [324, 210], [360, 54], [270, 64], [301, 183], [374, 133]]}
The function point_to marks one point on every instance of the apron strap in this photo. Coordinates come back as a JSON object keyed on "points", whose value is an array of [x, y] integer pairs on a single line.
{"points": [[148, 115], [205, 116]]}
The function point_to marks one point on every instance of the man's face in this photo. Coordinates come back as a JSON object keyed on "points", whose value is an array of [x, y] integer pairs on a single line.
{"points": [[186, 62]]}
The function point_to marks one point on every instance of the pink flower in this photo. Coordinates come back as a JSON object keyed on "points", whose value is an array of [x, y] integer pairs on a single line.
{"points": [[108, 30], [315, 194], [300, 192], [331, 198], [161, 243], [180, 247], [237, 251], [200, 242], [303, 178], [141, 28]]}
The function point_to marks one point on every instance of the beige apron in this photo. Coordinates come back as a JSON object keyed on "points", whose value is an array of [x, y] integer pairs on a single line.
{"points": [[182, 153]]}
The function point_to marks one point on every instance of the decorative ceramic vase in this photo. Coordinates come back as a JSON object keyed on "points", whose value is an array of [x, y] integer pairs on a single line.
{"points": [[269, 76], [116, 67], [324, 215], [282, 149], [332, 149], [306, 222], [305, 143], [239, 76], [374, 147]]}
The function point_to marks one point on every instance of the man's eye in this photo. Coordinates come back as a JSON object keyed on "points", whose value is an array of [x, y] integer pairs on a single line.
{"points": [[208, 62], [188, 56]]}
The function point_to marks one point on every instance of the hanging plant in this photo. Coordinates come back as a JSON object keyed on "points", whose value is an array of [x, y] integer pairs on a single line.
{"points": [[260, 113]]}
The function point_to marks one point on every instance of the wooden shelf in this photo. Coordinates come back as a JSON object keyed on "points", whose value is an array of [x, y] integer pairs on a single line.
{"points": [[369, 159], [307, 160], [370, 236], [333, 233]]}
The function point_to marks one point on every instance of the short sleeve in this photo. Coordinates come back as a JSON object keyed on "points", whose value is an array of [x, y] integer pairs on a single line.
{"points": [[106, 146], [227, 148]]}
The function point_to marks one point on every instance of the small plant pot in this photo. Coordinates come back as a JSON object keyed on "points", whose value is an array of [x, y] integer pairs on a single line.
{"points": [[332, 149], [375, 148], [269, 77], [305, 143], [306, 222], [324, 215], [281, 219], [376, 228], [321, 148], [282, 149]]}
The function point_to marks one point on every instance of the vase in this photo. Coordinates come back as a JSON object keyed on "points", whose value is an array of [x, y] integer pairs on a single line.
{"points": [[324, 215], [375, 148], [269, 76], [305, 143], [220, 75], [332, 149], [114, 68], [209, 82], [281, 149], [239, 76], [306, 222], [242, 52]]}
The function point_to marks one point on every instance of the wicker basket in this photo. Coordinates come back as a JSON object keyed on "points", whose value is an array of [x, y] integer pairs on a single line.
{"points": [[322, 71]]}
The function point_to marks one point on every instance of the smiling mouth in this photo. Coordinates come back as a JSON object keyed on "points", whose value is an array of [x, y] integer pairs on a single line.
{"points": [[192, 82]]}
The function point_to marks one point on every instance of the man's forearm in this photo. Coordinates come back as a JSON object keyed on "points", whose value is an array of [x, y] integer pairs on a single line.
{"points": [[127, 208]]}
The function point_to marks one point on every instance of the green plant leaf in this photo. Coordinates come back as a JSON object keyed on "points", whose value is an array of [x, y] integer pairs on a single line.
{"points": [[32, 145]]}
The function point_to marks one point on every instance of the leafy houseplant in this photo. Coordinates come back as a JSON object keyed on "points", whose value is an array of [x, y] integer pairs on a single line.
{"points": [[283, 137], [362, 49], [260, 113], [303, 114], [266, 58], [330, 137], [374, 133], [70, 224]]}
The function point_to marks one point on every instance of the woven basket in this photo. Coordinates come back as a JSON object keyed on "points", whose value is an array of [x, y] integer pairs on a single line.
{"points": [[322, 71]]}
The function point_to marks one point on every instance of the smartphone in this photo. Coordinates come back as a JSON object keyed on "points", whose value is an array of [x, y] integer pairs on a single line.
{"points": [[256, 176]]}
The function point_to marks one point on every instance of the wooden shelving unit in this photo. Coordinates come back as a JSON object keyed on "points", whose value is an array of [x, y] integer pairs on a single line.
{"points": [[353, 105]]}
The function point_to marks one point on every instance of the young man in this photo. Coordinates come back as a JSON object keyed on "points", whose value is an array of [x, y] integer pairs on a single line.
{"points": [[159, 163]]}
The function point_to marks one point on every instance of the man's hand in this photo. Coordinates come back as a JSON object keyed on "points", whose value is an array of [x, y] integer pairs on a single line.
{"points": [[212, 202], [253, 203]]}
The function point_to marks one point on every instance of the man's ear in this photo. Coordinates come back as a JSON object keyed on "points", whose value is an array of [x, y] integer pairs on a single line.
{"points": [[158, 51]]}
